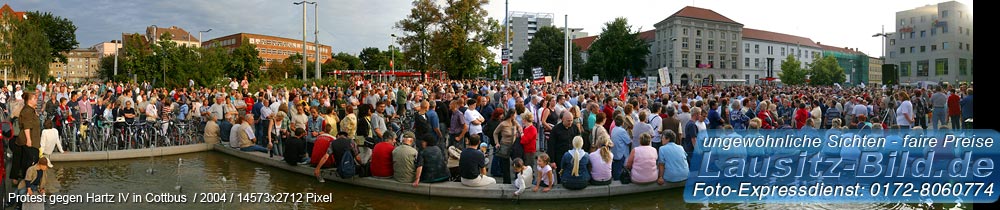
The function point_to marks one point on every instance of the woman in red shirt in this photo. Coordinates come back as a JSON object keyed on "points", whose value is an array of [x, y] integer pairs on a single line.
{"points": [[528, 138], [801, 115], [765, 116]]}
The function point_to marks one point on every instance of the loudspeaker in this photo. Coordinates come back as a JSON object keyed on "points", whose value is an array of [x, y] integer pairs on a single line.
{"points": [[890, 74]]}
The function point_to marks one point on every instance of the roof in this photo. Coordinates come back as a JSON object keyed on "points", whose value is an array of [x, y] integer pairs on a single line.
{"points": [[839, 49], [585, 42], [749, 33], [179, 34], [7, 9], [702, 13]]}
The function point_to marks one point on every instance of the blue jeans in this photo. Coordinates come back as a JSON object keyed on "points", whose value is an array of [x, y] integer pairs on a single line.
{"points": [[257, 148], [938, 117], [616, 168], [956, 122]]}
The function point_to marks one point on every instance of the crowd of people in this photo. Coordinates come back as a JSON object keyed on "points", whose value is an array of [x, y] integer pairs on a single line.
{"points": [[481, 132]]}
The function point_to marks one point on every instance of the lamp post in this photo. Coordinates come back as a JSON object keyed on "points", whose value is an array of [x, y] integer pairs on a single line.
{"points": [[199, 36], [162, 70], [116, 55], [304, 68], [392, 56], [884, 36], [316, 37]]}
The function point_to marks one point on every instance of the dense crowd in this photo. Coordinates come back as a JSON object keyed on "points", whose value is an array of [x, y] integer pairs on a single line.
{"points": [[534, 136]]}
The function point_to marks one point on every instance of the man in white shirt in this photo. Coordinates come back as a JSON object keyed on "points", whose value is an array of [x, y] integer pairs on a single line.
{"points": [[474, 119], [233, 85]]}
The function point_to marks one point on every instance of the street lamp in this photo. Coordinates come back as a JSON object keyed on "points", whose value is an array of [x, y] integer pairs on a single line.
{"points": [[392, 55], [199, 36]]}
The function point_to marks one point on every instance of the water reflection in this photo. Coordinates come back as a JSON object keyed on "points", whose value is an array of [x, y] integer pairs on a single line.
{"points": [[203, 173]]}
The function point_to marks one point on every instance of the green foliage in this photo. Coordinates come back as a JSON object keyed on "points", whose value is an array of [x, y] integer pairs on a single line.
{"points": [[61, 33], [465, 36], [166, 64], [546, 50], [352, 61], [617, 52], [826, 71], [792, 72], [373, 59], [244, 62], [417, 28], [29, 48]]}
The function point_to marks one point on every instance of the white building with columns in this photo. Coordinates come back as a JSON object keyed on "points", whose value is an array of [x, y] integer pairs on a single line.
{"points": [[698, 46], [765, 50]]}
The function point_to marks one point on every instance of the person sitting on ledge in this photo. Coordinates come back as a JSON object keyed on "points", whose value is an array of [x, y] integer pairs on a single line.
{"points": [[575, 174], [672, 161], [404, 157], [211, 130], [432, 159], [472, 165], [295, 148], [381, 163], [247, 137], [642, 162], [337, 148], [234, 132]]}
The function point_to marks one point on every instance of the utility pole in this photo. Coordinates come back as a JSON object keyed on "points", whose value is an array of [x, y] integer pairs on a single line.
{"points": [[199, 36], [304, 44], [506, 42], [316, 37], [566, 47]]}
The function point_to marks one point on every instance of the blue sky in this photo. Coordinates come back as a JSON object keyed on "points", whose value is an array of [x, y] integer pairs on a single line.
{"points": [[350, 25]]}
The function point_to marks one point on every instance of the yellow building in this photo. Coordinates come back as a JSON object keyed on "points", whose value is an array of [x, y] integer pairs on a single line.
{"points": [[875, 71], [81, 65]]}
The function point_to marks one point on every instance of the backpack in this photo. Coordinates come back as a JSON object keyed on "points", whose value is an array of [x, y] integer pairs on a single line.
{"points": [[347, 167]]}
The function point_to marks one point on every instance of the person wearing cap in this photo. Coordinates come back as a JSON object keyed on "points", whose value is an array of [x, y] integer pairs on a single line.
{"points": [[404, 158]]}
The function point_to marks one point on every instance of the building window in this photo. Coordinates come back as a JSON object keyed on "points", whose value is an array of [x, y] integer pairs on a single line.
{"points": [[711, 45], [746, 48], [902, 21], [968, 32], [902, 50], [756, 62], [967, 47], [684, 60], [723, 47], [892, 42], [913, 35], [756, 78], [941, 66], [756, 49], [735, 46], [685, 31], [722, 61], [944, 30], [697, 60], [933, 31], [711, 34], [711, 61], [944, 13], [904, 69], [722, 35], [959, 30], [733, 62], [923, 18], [735, 36], [922, 68], [962, 66], [746, 62], [933, 47], [923, 34], [799, 54], [913, 49], [923, 48], [944, 45], [697, 44], [782, 51], [770, 50], [684, 42]]}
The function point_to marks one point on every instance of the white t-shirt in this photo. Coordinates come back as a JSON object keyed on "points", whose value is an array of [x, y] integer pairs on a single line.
{"points": [[18, 94], [904, 108], [545, 169], [470, 115], [233, 85]]}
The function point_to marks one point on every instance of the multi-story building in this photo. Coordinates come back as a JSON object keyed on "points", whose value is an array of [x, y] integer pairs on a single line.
{"points": [[6, 61], [875, 71], [178, 35], [271, 49], [854, 63], [694, 43], [106, 48], [81, 65], [932, 43], [764, 51], [523, 25]]}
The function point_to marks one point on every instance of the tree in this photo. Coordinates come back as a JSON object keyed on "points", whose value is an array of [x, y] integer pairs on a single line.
{"points": [[352, 61], [825, 71], [617, 52], [373, 59], [334, 64], [244, 61], [792, 72], [546, 50], [418, 27], [61, 33], [29, 49], [461, 46]]}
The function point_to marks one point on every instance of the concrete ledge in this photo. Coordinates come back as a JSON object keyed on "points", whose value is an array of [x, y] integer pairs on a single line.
{"points": [[453, 189], [127, 154]]}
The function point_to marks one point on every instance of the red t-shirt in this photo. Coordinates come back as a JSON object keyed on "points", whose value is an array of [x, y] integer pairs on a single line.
{"points": [[954, 109], [801, 116], [528, 139], [382, 160], [319, 149], [249, 101], [608, 111]]}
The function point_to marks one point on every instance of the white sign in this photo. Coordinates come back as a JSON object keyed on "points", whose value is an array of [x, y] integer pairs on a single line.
{"points": [[664, 76], [595, 79], [651, 85]]}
